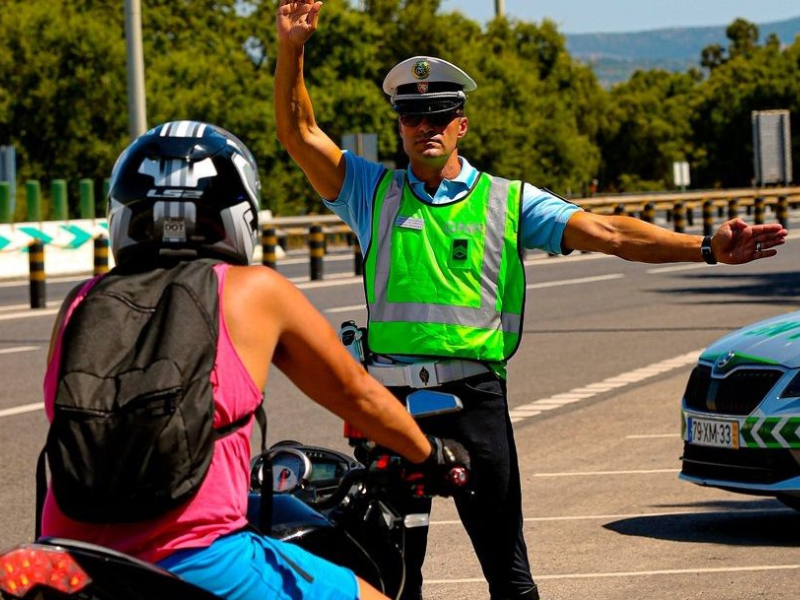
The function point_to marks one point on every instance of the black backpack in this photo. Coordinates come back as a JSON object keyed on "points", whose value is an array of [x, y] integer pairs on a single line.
{"points": [[132, 434]]}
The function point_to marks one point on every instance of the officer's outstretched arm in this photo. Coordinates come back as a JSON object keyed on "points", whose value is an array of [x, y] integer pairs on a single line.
{"points": [[734, 242], [319, 157], [268, 317]]}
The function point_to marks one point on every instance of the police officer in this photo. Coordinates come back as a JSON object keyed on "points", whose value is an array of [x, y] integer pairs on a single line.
{"points": [[445, 282]]}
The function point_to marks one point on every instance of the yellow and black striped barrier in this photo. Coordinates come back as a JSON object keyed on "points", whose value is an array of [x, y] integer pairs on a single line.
{"points": [[269, 242], [758, 205], [733, 208], [100, 255], [679, 217], [708, 217], [37, 277], [649, 213], [782, 212], [316, 250]]}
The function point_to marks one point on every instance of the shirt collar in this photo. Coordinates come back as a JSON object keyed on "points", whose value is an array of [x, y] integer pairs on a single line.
{"points": [[449, 188]]}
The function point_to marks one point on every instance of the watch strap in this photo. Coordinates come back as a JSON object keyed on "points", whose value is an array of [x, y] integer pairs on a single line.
{"points": [[707, 251]]}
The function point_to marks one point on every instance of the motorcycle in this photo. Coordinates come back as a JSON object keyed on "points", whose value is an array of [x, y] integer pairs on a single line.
{"points": [[321, 499]]}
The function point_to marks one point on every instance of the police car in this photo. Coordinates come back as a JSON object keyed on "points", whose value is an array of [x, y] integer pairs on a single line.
{"points": [[741, 412]]}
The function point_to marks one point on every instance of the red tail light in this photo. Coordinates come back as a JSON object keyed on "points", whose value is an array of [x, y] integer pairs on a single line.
{"points": [[25, 567]]}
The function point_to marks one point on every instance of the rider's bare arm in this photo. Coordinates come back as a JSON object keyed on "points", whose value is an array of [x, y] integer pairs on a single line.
{"points": [[268, 316], [319, 157]]}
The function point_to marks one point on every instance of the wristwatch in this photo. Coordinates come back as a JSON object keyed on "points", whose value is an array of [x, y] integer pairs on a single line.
{"points": [[707, 251]]}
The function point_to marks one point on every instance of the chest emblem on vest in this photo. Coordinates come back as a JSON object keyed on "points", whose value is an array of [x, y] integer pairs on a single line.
{"points": [[460, 251]]}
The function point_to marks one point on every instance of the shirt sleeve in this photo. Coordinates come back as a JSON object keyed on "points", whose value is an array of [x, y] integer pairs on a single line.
{"points": [[354, 204], [544, 218]]}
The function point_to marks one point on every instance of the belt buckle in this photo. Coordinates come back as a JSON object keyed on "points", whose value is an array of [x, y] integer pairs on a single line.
{"points": [[422, 375]]}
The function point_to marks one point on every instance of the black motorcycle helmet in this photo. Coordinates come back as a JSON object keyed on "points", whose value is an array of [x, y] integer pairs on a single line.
{"points": [[184, 189]]}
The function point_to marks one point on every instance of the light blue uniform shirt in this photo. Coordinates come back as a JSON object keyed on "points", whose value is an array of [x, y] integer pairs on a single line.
{"points": [[543, 219]]}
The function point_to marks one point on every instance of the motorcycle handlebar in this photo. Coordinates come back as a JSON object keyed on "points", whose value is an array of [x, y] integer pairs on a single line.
{"points": [[457, 477], [350, 478]]}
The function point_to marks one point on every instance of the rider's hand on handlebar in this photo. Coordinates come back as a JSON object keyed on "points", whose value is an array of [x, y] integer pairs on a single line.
{"points": [[444, 473]]}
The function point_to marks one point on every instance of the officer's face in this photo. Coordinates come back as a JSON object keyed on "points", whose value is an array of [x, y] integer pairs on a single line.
{"points": [[432, 140]]}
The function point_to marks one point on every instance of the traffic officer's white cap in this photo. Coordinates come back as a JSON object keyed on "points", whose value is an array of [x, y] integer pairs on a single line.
{"points": [[425, 85]]}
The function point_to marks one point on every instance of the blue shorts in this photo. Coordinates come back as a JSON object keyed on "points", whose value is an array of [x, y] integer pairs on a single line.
{"points": [[248, 566]]}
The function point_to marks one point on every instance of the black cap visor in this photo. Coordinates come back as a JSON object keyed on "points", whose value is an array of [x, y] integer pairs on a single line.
{"points": [[427, 104]]}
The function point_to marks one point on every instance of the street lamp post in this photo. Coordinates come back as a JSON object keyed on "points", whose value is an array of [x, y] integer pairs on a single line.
{"points": [[137, 118]]}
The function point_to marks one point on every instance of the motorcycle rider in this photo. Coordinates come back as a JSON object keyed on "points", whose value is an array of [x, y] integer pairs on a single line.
{"points": [[184, 192]]}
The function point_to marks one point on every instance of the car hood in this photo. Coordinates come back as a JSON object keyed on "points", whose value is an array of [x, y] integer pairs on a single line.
{"points": [[773, 341]]}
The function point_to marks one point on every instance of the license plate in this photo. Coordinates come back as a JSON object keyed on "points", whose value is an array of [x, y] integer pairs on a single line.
{"points": [[712, 432]]}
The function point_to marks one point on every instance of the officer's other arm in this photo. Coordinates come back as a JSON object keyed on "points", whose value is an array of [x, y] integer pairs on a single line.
{"points": [[310, 147], [735, 241], [267, 317]]}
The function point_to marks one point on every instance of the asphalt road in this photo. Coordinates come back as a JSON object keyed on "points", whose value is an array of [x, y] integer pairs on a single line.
{"points": [[595, 394]]}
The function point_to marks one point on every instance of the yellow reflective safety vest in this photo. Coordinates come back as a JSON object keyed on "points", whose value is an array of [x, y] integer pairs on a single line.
{"points": [[447, 279]]}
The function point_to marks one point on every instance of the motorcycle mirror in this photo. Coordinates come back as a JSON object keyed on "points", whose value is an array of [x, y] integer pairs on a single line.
{"points": [[425, 403]]}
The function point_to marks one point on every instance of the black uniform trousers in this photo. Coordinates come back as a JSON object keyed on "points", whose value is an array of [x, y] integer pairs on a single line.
{"points": [[492, 516]]}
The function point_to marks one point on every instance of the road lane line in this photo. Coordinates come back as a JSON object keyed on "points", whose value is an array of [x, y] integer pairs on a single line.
{"points": [[350, 308], [579, 280], [520, 413], [18, 410], [10, 307], [39, 312], [695, 571], [622, 517], [19, 349], [674, 268], [605, 473]]}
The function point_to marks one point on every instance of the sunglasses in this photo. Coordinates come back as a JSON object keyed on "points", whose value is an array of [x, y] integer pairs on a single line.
{"points": [[435, 120]]}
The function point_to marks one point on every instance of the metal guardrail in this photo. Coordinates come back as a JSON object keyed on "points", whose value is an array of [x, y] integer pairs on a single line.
{"points": [[316, 231], [292, 232]]}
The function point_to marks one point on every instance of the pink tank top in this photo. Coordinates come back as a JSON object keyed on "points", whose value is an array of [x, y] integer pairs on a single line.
{"points": [[220, 506]]}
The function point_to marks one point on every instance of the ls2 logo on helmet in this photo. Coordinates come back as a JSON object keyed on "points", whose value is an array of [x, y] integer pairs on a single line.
{"points": [[174, 193]]}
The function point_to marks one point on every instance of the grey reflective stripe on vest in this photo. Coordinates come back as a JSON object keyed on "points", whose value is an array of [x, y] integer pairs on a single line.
{"points": [[486, 316]]}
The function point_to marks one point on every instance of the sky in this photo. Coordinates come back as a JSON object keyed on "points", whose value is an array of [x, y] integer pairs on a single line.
{"points": [[607, 16]]}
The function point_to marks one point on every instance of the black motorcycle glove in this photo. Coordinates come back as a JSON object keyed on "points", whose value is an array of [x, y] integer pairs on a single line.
{"points": [[444, 473]]}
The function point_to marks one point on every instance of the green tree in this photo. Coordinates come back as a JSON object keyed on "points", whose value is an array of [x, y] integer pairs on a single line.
{"points": [[763, 78], [649, 129], [62, 86]]}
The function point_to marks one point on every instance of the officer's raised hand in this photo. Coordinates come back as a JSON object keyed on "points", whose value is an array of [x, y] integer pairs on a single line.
{"points": [[297, 20]]}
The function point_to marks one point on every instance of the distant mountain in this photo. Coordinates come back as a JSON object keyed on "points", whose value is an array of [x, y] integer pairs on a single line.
{"points": [[615, 56]]}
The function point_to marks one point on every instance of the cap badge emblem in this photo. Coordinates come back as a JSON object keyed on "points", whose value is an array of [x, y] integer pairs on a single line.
{"points": [[421, 69], [422, 87]]}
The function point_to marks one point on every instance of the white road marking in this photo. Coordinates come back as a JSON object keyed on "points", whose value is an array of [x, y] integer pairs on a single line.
{"points": [[18, 349], [520, 413], [10, 307], [607, 473], [351, 308], [745, 511], [674, 268], [37, 312], [18, 410], [596, 278], [635, 573], [26, 282]]}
